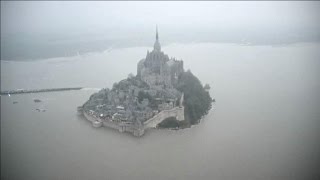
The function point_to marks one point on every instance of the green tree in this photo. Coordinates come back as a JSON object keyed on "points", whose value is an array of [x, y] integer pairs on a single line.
{"points": [[197, 100]]}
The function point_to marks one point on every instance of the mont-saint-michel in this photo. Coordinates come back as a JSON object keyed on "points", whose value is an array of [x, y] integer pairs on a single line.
{"points": [[161, 95]]}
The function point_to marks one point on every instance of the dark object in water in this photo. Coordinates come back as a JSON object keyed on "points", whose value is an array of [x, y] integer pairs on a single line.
{"points": [[213, 100], [37, 100], [40, 110], [14, 102]]}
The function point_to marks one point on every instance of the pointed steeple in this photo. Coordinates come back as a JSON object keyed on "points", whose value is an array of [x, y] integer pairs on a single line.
{"points": [[157, 37], [157, 46]]}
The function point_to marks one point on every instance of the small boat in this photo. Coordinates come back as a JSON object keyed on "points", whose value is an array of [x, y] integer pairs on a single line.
{"points": [[37, 100], [40, 110]]}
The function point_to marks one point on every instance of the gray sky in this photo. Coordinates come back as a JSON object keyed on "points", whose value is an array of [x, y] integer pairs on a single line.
{"points": [[94, 17], [50, 29]]}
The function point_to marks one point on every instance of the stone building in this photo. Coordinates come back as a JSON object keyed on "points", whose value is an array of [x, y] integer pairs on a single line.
{"points": [[157, 69], [143, 101]]}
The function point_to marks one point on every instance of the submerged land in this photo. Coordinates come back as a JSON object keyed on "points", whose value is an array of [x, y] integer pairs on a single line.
{"points": [[161, 95]]}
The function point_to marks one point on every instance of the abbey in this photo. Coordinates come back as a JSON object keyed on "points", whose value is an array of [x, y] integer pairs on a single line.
{"points": [[157, 70], [143, 101]]}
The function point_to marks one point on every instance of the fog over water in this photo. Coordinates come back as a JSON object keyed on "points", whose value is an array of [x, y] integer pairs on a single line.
{"points": [[38, 30], [264, 124], [261, 60]]}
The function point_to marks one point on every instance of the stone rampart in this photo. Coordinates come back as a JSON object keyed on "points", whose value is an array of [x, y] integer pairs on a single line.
{"points": [[177, 112], [121, 127]]}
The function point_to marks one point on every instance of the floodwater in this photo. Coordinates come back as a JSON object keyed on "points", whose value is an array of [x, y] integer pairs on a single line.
{"points": [[264, 124]]}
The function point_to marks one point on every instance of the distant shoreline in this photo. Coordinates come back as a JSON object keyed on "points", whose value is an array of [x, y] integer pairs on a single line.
{"points": [[23, 91], [80, 52]]}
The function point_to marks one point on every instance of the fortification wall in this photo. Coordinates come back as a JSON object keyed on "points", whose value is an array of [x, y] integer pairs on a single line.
{"points": [[177, 112], [120, 127]]}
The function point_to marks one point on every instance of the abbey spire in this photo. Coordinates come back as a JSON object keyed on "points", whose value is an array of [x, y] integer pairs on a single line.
{"points": [[157, 46], [157, 37]]}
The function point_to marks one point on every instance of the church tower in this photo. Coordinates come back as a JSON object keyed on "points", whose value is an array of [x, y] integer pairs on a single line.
{"points": [[157, 70], [157, 46]]}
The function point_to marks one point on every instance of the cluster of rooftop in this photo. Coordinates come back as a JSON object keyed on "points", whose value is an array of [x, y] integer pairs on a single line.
{"points": [[140, 101]]}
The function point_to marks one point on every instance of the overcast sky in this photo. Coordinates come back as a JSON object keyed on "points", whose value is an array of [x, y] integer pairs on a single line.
{"points": [[94, 17], [31, 30]]}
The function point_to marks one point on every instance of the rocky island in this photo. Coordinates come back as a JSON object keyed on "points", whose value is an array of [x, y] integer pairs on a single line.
{"points": [[161, 95]]}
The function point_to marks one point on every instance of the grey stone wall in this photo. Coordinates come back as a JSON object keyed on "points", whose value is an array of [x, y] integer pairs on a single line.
{"points": [[136, 131], [177, 112]]}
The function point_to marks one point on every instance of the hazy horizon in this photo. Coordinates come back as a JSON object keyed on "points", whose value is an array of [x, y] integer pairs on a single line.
{"points": [[35, 30], [260, 59]]}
